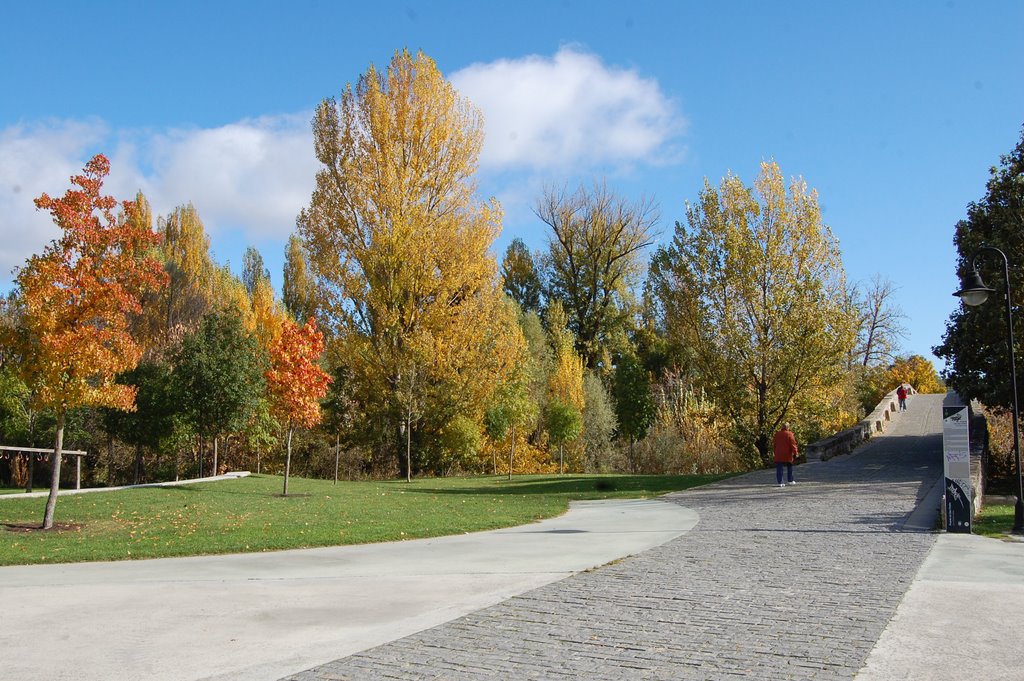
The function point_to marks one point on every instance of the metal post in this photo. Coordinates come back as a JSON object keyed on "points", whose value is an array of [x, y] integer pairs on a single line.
{"points": [[976, 286], [1018, 510]]}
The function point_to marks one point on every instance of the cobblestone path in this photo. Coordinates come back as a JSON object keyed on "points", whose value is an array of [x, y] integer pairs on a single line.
{"points": [[773, 583]]}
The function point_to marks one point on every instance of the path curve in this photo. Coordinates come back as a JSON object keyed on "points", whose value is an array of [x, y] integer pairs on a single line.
{"points": [[265, 615], [773, 583]]}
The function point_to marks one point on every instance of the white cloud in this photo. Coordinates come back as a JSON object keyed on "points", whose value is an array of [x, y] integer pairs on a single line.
{"points": [[254, 175], [545, 117], [570, 112], [251, 177], [37, 159]]}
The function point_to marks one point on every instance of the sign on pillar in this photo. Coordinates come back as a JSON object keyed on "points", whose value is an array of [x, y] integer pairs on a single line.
{"points": [[956, 451]]}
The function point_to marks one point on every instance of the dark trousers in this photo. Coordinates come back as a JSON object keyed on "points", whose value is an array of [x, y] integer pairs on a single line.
{"points": [[789, 472]]}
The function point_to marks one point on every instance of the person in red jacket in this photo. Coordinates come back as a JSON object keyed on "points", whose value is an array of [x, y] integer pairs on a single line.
{"points": [[785, 453], [901, 394]]}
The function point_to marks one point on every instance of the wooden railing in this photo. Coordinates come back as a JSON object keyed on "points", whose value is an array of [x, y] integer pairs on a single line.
{"points": [[37, 452]]}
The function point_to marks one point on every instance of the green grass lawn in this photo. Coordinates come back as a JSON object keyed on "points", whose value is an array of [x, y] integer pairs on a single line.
{"points": [[993, 521], [18, 490], [248, 514]]}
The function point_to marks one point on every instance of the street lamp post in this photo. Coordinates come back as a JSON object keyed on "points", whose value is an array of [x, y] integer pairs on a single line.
{"points": [[974, 292]]}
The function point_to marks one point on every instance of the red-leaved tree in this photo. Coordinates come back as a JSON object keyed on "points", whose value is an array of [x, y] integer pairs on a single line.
{"points": [[295, 381], [78, 296]]}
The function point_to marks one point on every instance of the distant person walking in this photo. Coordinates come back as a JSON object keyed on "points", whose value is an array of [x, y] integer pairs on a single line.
{"points": [[785, 453], [901, 393]]}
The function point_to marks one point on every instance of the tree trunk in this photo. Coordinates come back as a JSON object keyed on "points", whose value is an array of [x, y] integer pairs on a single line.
{"points": [[408, 448], [215, 455], [288, 460], [337, 456], [511, 453], [110, 460], [561, 467], [200, 455], [761, 442], [138, 463], [51, 501], [762, 448]]}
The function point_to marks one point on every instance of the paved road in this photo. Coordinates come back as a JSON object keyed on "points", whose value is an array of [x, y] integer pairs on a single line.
{"points": [[792, 583]]}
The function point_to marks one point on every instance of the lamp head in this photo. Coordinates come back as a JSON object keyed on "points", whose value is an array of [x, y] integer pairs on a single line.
{"points": [[973, 291]]}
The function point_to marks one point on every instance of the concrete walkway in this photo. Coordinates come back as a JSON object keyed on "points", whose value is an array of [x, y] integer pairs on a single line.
{"points": [[964, 611], [793, 583], [261, 616]]}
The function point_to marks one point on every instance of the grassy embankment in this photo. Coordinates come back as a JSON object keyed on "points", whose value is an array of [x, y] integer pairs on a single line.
{"points": [[248, 514], [994, 521]]}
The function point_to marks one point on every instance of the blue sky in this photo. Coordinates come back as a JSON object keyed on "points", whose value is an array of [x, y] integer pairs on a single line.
{"points": [[894, 112]]}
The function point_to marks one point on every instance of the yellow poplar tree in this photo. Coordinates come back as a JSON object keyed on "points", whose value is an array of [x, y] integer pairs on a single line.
{"points": [[918, 372], [267, 315], [186, 254], [398, 245], [297, 290], [565, 382], [753, 286]]}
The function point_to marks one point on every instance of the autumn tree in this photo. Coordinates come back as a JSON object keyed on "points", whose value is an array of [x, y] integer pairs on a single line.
{"points": [[461, 439], [565, 380], [229, 296], [521, 277], [147, 326], [917, 371], [399, 246], [594, 260], [253, 269], [974, 344], [564, 423], [266, 316], [753, 286], [295, 380], [79, 294], [185, 251], [538, 366], [563, 408], [298, 290], [510, 408]]}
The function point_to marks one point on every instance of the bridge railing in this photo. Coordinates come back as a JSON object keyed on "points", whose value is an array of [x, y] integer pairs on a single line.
{"points": [[845, 441]]}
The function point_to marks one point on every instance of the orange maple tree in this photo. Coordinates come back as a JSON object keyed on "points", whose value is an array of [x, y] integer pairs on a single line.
{"points": [[79, 294], [295, 381]]}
